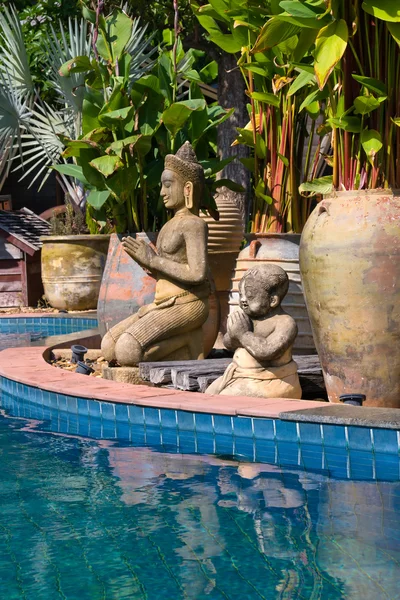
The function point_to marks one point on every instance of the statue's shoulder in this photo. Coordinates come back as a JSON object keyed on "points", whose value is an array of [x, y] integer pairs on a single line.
{"points": [[195, 222]]}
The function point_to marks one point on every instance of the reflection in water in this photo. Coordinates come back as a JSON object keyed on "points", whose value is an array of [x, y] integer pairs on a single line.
{"points": [[90, 520]]}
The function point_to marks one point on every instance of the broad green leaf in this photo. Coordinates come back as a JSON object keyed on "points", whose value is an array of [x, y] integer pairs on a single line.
{"points": [[100, 135], [316, 95], [117, 33], [261, 149], [387, 10], [71, 171], [284, 159], [394, 29], [209, 72], [75, 147], [248, 163], [314, 110], [373, 85], [371, 142], [267, 98], [122, 183], [107, 165], [138, 143], [92, 104], [79, 64], [301, 80], [366, 104], [396, 121], [273, 33], [228, 183], [315, 24], [330, 46], [116, 117], [351, 124], [214, 165], [175, 117], [245, 137], [97, 199], [323, 185], [255, 68], [297, 9]]}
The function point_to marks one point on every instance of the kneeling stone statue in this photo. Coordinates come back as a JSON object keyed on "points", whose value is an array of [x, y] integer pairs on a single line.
{"points": [[171, 327], [262, 335]]}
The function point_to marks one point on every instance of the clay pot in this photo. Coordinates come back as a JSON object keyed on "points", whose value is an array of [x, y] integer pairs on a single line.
{"points": [[72, 269], [224, 240], [350, 265], [126, 287], [280, 249]]}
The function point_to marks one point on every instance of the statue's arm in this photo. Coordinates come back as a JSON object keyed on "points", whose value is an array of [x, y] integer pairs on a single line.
{"points": [[195, 270], [271, 347]]}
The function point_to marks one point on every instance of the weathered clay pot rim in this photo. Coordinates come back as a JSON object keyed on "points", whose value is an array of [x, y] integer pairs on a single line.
{"points": [[70, 238], [367, 192]]}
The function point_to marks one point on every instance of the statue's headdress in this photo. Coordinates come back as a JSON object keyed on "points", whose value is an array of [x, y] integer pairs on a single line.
{"points": [[186, 165]]}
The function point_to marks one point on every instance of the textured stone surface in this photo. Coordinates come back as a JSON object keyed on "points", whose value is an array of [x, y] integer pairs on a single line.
{"points": [[123, 375], [338, 414]]}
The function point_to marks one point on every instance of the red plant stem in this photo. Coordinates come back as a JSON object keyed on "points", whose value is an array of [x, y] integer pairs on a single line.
{"points": [[99, 10]]}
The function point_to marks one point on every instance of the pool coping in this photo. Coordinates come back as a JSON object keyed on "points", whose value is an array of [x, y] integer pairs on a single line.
{"points": [[29, 366]]}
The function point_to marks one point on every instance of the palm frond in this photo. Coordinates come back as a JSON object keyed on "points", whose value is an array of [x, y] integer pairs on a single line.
{"points": [[13, 54], [77, 43], [141, 51]]}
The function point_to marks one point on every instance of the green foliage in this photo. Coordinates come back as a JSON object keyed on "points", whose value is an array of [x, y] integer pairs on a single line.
{"points": [[71, 222], [130, 121]]}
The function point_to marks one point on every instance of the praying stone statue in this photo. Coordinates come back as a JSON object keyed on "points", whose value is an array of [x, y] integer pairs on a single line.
{"points": [[262, 335], [171, 327]]}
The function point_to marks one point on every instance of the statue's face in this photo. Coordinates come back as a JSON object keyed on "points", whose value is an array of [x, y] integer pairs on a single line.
{"points": [[254, 299], [172, 190]]}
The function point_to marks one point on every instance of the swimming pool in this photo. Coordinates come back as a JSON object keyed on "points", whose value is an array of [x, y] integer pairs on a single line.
{"points": [[21, 331], [146, 517]]}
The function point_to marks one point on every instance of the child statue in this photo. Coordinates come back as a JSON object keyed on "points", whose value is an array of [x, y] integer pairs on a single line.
{"points": [[262, 335], [171, 327]]}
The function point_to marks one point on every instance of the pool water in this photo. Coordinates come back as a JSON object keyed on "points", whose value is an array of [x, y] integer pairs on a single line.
{"points": [[21, 331], [92, 519]]}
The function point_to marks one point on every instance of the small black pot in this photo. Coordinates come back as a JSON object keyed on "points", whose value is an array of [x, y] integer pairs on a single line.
{"points": [[352, 399], [83, 368], [78, 352]]}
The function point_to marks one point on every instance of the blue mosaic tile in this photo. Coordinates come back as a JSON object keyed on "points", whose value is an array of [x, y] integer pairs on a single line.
{"points": [[334, 436], [47, 413], [137, 434], [386, 440], [205, 443], [83, 426], [135, 414], [95, 427], [168, 418], [187, 441], [244, 447], [185, 421], [286, 431], [109, 429], [83, 407], [243, 427], [310, 433], [266, 450], [359, 438], [312, 456], [123, 430], [152, 417], [223, 425], [223, 444], [169, 437], [73, 426], [94, 409], [264, 429], [121, 413], [153, 435], [204, 423], [72, 404], [108, 411], [53, 401], [288, 453], [62, 402]]}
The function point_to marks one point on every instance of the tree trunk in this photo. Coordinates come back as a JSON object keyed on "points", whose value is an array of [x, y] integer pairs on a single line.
{"points": [[231, 94]]}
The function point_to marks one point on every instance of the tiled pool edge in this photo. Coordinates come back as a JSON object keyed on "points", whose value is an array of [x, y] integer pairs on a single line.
{"points": [[25, 374]]}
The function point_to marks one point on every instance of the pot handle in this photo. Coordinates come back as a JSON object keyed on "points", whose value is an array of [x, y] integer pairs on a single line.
{"points": [[324, 208], [254, 245]]}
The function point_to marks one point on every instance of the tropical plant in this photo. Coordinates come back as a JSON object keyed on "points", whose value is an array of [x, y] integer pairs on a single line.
{"points": [[356, 66], [274, 58], [130, 121]]}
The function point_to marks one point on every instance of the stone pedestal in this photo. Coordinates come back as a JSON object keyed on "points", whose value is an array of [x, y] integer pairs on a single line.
{"points": [[123, 375]]}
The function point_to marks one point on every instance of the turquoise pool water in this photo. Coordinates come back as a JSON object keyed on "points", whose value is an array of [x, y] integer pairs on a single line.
{"points": [[21, 331], [90, 519]]}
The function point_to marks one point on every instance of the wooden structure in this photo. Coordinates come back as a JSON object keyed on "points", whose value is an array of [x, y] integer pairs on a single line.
{"points": [[197, 375], [20, 250], [6, 202]]}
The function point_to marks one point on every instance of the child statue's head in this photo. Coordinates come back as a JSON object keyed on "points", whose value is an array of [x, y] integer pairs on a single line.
{"points": [[262, 290], [182, 180]]}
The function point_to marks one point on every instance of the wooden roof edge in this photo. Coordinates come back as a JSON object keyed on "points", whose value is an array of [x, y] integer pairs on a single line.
{"points": [[23, 245]]}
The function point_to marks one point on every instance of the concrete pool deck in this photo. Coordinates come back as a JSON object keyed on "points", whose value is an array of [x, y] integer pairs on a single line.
{"points": [[29, 366]]}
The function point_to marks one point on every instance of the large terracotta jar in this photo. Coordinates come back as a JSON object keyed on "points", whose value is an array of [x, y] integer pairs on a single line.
{"points": [[224, 240], [72, 269], [281, 249], [126, 287], [350, 265]]}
